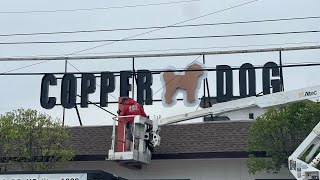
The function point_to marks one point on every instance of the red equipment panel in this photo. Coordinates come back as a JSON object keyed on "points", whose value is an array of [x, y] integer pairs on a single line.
{"points": [[121, 127]]}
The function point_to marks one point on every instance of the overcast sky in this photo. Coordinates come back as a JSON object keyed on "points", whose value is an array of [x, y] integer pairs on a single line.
{"points": [[24, 91]]}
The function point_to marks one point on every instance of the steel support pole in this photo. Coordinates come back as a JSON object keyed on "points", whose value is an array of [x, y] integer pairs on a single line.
{"points": [[281, 71], [64, 109]]}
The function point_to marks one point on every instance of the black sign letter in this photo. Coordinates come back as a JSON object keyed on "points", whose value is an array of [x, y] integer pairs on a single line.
{"points": [[107, 86], [247, 67], [125, 86], [144, 87], [46, 101], [88, 86], [275, 83], [224, 93], [69, 91]]}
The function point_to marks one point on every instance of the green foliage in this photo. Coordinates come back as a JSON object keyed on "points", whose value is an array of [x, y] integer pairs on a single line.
{"points": [[279, 132], [32, 140]]}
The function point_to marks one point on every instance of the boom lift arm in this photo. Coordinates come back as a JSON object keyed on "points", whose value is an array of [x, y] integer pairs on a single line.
{"points": [[149, 138], [275, 99], [301, 169]]}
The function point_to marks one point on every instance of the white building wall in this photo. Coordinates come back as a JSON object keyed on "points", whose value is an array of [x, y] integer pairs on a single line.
{"points": [[200, 169]]}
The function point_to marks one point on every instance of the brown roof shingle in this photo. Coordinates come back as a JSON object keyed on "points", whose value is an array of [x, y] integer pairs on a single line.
{"points": [[226, 136]]}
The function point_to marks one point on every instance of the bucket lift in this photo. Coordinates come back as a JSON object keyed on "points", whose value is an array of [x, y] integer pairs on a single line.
{"points": [[139, 153]]}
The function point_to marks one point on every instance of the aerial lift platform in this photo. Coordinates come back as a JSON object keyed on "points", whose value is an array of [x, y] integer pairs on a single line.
{"points": [[139, 154]]}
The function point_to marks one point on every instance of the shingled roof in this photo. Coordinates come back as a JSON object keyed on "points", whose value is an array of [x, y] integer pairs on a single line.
{"points": [[214, 139]]}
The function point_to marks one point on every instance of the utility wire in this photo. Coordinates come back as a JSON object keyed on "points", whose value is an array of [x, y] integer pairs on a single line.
{"points": [[156, 27], [80, 71], [161, 38], [73, 66], [185, 49], [96, 104], [23, 67], [165, 27], [154, 30], [91, 9]]}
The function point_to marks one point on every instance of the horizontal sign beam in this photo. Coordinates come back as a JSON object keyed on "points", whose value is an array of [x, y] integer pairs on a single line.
{"points": [[59, 58]]}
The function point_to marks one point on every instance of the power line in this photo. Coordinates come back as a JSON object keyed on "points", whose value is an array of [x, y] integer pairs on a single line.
{"points": [[161, 38], [156, 27], [91, 9], [23, 67], [80, 71], [185, 49], [164, 27], [154, 30], [100, 107]]}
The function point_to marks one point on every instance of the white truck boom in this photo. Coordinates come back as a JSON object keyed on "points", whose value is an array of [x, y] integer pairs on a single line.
{"points": [[280, 98], [300, 169], [305, 169]]}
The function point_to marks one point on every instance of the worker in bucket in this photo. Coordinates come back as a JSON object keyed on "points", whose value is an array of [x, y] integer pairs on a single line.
{"points": [[130, 108]]}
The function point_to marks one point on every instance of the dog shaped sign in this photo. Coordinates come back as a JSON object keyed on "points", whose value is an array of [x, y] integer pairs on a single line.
{"points": [[188, 83]]}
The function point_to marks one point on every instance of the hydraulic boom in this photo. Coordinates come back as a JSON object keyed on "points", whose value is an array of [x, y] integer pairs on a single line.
{"points": [[280, 98]]}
